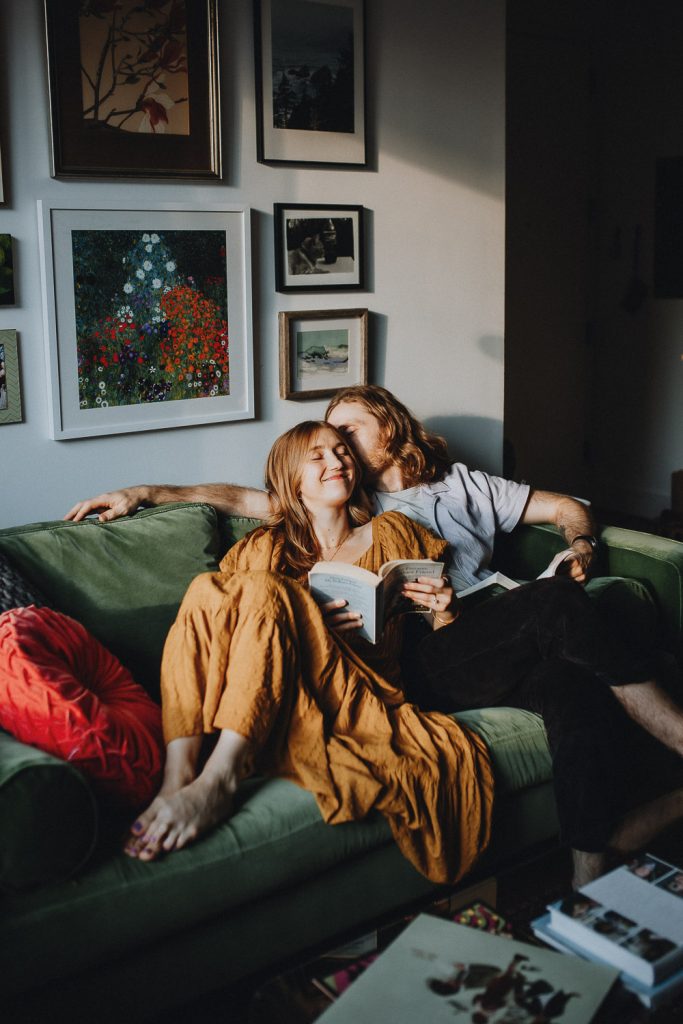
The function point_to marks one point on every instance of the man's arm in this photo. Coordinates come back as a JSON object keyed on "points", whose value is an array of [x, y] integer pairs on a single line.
{"points": [[572, 518], [229, 498]]}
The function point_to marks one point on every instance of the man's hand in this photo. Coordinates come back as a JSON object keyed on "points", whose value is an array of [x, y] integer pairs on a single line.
{"points": [[111, 505], [578, 564]]}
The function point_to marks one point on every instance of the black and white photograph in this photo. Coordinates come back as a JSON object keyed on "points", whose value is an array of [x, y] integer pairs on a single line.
{"points": [[310, 81], [318, 247]]}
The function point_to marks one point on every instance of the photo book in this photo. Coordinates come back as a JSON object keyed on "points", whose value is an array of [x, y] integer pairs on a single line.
{"points": [[498, 582], [377, 596], [440, 972], [631, 917]]}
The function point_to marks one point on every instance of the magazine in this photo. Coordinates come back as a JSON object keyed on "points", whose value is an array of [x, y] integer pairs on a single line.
{"points": [[631, 917], [438, 971], [498, 582], [377, 596]]}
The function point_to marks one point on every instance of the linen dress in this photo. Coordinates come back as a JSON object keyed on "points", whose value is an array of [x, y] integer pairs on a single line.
{"points": [[250, 652]]}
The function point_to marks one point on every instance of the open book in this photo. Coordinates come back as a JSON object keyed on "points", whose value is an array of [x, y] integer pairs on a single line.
{"points": [[377, 596], [498, 582]]}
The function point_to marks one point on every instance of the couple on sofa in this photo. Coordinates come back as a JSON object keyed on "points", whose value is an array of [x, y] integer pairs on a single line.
{"points": [[290, 688]]}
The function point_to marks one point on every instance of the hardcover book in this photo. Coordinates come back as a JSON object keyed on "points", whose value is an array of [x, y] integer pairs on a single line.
{"points": [[631, 917]]}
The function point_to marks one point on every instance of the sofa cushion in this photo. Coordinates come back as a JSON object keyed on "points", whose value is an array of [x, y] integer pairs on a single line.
{"points": [[15, 591], [63, 692], [48, 817], [123, 580]]}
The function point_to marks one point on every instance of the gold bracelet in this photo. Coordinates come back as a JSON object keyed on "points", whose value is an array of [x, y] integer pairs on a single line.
{"points": [[445, 622]]}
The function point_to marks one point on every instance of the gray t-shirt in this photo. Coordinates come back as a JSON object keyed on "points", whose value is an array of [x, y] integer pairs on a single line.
{"points": [[466, 508]]}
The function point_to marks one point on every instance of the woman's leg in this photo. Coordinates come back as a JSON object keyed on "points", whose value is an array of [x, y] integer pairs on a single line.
{"points": [[189, 804]]}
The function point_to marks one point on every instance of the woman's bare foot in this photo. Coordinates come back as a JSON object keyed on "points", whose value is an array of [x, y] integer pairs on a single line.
{"points": [[178, 816]]}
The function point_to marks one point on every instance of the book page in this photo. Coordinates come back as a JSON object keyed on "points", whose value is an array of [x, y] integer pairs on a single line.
{"points": [[555, 564], [652, 904], [359, 595], [400, 571]]}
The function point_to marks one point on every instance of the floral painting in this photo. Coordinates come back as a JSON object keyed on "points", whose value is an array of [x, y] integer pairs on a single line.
{"points": [[134, 70], [151, 316]]}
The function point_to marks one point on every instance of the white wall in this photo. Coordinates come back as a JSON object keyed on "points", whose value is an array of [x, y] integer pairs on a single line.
{"points": [[435, 200]]}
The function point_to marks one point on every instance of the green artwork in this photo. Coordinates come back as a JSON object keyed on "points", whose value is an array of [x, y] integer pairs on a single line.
{"points": [[6, 271]]}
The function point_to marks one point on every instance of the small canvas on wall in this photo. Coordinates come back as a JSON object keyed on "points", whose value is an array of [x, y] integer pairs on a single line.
{"points": [[7, 296], [322, 351], [10, 390]]}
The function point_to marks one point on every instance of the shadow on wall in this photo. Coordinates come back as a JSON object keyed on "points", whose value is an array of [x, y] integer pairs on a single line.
{"points": [[445, 109], [471, 439]]}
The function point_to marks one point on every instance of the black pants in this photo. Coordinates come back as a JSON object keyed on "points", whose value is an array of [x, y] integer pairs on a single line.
{"points": [[546, 648]]}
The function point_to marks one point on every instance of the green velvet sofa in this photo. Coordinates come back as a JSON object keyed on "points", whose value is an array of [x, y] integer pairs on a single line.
{"points": [[88, 934]]}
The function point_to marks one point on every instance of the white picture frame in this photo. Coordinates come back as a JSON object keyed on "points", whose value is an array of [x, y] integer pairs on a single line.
{"points": [[156, 297]]}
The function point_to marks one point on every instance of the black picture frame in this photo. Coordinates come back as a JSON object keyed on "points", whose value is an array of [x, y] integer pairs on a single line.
{"points": [[173, 83], [310, 82], [319, 247]]}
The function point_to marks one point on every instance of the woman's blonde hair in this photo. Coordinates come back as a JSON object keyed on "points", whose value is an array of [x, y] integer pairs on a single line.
{"points": [[423, 457], [284, 468]]}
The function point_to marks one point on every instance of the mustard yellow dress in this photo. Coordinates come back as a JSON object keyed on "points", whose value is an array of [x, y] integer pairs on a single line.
{"points": [[249, 651]]}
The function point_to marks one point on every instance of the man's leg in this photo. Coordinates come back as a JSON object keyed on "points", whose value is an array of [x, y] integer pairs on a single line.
{"points": [[652, 708]]}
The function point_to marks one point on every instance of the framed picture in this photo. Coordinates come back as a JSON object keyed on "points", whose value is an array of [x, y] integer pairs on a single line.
{"points": [[310, 81], [322, 351], [134, 88], [10, 390], [2, 189], [147, 317], [7, 296], [318, 247]]}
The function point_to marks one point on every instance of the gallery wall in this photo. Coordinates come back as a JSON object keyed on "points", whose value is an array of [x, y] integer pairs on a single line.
{"points": [[434, 196]]}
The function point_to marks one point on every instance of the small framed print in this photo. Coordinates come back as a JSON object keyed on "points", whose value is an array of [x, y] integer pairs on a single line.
{"points": [[7, 295], [2, 189], [147, 315], [10, 390], [322, 351], [310, 82], [134, 88], [318, 247]]}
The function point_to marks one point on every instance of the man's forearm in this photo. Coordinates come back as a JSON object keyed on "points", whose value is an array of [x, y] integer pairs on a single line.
{"points": [[228, 498], [571, 517]]}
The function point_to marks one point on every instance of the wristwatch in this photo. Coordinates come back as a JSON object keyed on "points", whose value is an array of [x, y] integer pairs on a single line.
{"points": [[589, 539]]}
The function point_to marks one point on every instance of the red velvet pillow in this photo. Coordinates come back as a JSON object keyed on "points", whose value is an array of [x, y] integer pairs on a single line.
{"points": [[63, 692]]}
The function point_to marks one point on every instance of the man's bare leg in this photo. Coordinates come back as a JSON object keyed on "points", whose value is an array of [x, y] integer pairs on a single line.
{"points": [[653, 709], [180, 813], [635, 831]]}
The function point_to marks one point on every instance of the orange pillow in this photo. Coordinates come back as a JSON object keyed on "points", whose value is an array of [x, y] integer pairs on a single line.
{"points": [[63, 692]]}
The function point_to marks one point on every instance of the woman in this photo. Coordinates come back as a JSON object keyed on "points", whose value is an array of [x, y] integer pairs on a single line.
{"points": [[291, 691]]}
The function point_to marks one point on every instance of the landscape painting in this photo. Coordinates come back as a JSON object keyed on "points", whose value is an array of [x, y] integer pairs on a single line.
{"points": [[322, 351], [151, 316], [310, 80]]}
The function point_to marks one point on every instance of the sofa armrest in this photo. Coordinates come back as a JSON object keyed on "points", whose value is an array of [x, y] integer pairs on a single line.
{"points": [[656, 562]]}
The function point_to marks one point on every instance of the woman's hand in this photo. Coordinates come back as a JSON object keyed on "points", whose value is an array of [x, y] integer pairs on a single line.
{"points": [[339, 617], [437, 596]]}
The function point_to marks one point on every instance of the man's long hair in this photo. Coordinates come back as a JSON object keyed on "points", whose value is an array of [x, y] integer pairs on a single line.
{"points": [[423, 457], [284, 468]]}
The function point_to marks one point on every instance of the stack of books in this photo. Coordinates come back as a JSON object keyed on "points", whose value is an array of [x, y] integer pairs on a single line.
{"points": [[631, 919]]}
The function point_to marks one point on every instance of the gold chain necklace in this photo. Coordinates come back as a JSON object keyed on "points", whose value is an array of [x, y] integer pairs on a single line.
{"points": [[338, 548]]}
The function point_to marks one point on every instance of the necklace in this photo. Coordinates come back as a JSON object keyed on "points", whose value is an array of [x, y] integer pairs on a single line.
{"points": [[338, 548]]}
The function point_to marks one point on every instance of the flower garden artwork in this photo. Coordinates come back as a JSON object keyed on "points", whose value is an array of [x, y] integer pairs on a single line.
{"points": [[151, 316]]}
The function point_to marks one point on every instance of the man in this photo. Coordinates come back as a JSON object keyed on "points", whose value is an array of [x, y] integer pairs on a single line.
{"points": [[493, 654]]}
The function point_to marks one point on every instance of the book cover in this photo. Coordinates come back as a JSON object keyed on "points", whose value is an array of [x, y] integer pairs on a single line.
{"points": [[375, 595], [631, 917], [651, 996], [441, 972]]}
